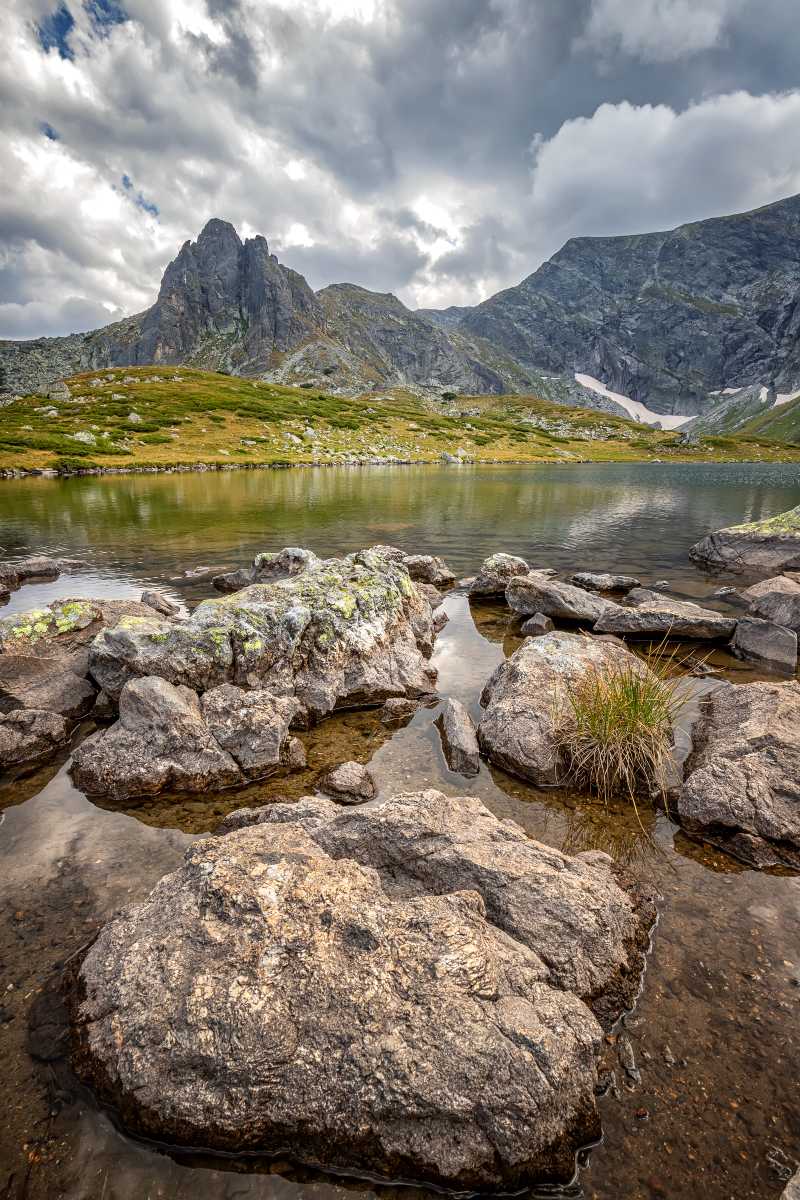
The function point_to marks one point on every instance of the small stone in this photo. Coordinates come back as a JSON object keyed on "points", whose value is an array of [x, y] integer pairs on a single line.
{"points": [[350, 783], [536, 625], [160, 604]]}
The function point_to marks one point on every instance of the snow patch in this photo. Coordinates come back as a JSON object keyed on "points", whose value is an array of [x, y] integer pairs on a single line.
{"points": [[785, 398], [638, 411]]}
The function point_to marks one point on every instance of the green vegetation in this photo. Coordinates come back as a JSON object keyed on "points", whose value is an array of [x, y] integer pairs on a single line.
{"points": [[167, 417], [616, 729]]}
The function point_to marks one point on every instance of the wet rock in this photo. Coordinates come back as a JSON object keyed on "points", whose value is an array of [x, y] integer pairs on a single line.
{"points": [[267, 568], [345, 632], [763, 642], [742, 787], [429, 568], [764, 546], [168, 738], [654, 613], [459, 740], [215, 1013], [28, 735], [537, 625], [495, 574], [160, 604], [782, 608], [526, 693], [604, 582], [350, 783], [536, 593]]}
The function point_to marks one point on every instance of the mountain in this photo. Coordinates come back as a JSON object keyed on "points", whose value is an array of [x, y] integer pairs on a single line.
{"points": [[702, 321], [663, 318]]}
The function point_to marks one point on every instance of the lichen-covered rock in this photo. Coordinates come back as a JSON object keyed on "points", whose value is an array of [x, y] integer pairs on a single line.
{"points": [[766, 546], [526, 694], [604, 582], [459, 741], [763, 642], [21, 631], [28, 735], [350, 783], [342, 633], [277, 993], [495, 574], [169, 738], [536, 593], [654, 613], [266, 568], [742, 787]]}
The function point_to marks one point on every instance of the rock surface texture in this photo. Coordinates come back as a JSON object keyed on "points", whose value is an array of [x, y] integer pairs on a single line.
{"points": [[524, 698], [742, 787], [761, 547], [313, 984], [650, 612]]}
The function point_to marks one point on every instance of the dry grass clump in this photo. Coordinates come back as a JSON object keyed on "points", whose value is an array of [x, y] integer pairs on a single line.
{"points": [[615, 728]]}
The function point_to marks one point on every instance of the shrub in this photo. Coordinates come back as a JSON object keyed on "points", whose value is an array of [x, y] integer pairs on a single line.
{"points": [[615, 728]]}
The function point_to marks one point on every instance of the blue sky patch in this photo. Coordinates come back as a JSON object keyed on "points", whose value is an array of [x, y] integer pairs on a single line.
{"points": [[138, 199], [48, 131], [54, 31]]}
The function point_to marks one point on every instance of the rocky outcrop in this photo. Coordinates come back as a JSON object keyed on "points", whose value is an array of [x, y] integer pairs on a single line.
{"points": [[266, 568], [343, 633], [168, 738], [765, 643], [742, 788], [652, 613], [535, 593], [349, 783], [526, 695], [761, 547], [604, 582], [495, 575], [394, 991], [459, 741]]}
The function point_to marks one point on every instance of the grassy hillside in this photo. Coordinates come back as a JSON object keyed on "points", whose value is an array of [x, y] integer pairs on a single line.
{"points": [[781, 423], [161, 417]]}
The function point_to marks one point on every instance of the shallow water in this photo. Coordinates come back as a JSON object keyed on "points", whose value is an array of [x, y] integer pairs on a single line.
{"points": [[716, 1113]]}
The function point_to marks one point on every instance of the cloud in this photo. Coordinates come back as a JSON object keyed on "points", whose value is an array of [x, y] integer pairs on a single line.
{"points": [[658, 30]]}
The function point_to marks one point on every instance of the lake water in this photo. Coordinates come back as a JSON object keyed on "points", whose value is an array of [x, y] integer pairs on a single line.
{"points": [[716, 1113]]}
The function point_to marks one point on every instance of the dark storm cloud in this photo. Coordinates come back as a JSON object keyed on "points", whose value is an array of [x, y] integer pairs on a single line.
{"points": [[437, 150]]}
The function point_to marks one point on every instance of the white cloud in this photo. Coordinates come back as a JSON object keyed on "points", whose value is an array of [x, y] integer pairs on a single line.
{"points": [[657, 30]]}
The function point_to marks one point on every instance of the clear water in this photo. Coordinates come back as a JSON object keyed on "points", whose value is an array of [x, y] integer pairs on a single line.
{"points": [[716, 1030]]}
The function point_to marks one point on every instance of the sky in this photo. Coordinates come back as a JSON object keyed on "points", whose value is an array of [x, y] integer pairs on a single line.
{"points": [[437, 149]]}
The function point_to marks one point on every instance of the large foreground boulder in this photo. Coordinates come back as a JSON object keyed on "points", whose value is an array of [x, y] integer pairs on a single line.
{"points": [[527, 694], [279, 993], [761, 547], [342, 633], [536, 593], [169, 738], [742, 788], [653, 613]]}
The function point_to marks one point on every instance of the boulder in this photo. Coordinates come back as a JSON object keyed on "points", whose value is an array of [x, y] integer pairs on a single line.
{"points": [[160, 604], [28, 735], [766, 546], [603, 582], [763, 642], [429, 568], [267, 568], [495, 574], [53, 685], [525, 695], [742, 786], [398, 709], [342, 633], [345, 993], [459, 740], [536, 625], [654, 613], [536, 593], [169, 738], [786, 584], [350, 783], [782, 608]]}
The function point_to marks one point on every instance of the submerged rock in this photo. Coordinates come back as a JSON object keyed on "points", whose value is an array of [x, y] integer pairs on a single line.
{"points": [[495, 574], [526, 694], [536, 593], [342, 633], [742, 787], [765, 546], [169, 738], [350, 783], [338, 985], [267, 568], [763, 642], [655, 613], [459, 740], [604, 582]]}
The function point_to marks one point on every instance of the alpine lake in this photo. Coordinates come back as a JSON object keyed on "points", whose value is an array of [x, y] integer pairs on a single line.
{"points": [[700, 1095]]}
